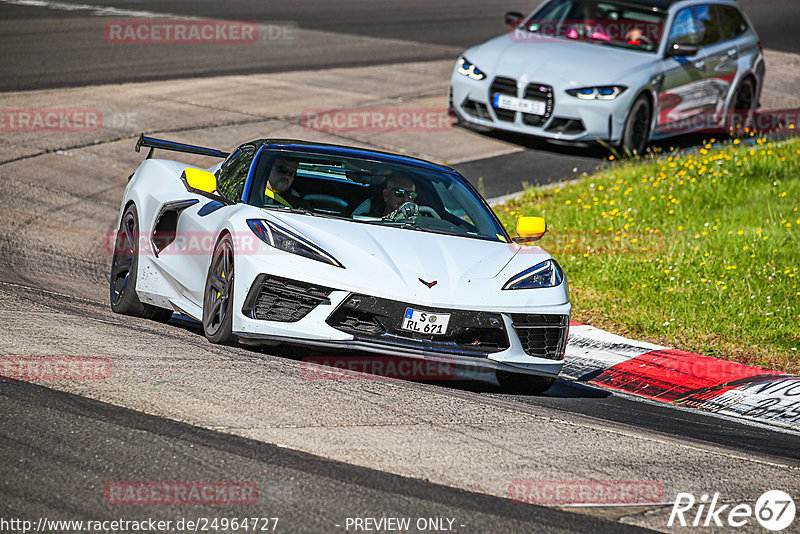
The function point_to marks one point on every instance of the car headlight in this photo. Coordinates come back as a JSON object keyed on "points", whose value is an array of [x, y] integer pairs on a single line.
{"points": [[469, 70], [604, 92], [545, 274], [282, 239]]}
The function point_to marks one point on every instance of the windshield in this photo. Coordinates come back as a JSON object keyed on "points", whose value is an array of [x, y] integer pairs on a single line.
{"points": [[372, 192], [613, 23]]}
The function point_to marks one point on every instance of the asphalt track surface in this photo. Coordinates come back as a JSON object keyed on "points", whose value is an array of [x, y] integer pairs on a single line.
{"points": [[57, 449], [45, 48], [54, 47], [88, 443]]}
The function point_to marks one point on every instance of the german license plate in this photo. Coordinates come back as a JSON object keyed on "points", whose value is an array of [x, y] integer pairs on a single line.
{"points": [[534, 107], [425, 322]]}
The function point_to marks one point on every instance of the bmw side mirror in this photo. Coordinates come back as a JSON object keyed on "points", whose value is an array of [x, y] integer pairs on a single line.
{"points": [[530, 229], [513, 18], [682, 50]]}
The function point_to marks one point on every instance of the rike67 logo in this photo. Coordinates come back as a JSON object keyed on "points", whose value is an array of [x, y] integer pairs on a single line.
{"points": [[774, 510]]}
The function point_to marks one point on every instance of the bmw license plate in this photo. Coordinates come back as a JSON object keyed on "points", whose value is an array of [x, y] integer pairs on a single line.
{"points": [[534, 107], [425, 322]]}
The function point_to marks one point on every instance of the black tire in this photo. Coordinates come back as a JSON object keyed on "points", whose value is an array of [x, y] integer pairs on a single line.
{"points": [[636, 134], [743, 104], [218, 295], [124, 267], [524, 384]]}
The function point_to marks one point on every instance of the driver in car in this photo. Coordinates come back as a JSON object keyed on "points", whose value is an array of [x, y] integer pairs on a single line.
{"points": [[279, 188], [398, 191]]}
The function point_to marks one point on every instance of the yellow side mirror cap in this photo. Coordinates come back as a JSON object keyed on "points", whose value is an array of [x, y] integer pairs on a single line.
{"points": [[530, 229], [199, 180]]}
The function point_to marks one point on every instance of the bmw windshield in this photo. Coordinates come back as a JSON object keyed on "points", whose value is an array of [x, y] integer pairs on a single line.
{"points": [[369, 191], [615, 23]]}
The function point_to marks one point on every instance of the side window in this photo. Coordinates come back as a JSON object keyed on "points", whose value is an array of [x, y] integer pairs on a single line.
{"points": [[708, 24], [233, 174], [685, 29], [732, 23]]}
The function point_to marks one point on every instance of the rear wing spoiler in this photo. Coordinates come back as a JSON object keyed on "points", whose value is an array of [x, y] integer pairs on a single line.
{"points": [[152, 143]]}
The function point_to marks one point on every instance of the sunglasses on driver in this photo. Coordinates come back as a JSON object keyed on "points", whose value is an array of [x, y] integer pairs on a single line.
{"points": [[404, 193]]}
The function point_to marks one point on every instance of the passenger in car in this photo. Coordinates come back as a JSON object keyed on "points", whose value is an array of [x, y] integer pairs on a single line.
{"points": [[279, 188]]}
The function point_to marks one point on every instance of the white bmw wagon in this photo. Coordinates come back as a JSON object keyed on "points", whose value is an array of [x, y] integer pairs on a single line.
{"points": [[623, 72]]}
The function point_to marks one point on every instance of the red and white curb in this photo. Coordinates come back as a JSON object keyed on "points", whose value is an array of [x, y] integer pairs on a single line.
{"points": [[672, 376]]}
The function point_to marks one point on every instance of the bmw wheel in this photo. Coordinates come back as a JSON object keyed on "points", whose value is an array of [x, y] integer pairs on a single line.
{"points": [[636, 134], [218, 295], [124, 266], [740, 114]]}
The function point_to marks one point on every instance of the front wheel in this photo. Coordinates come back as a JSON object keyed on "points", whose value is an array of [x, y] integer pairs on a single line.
{"points": [[636, 134], [524, 384], [218, 295]]}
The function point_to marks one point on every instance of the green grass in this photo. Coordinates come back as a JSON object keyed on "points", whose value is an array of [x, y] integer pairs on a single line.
{"points": [[695, 251]]}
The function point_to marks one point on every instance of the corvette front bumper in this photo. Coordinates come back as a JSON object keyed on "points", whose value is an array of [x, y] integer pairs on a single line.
{"points": [[477, 343]]}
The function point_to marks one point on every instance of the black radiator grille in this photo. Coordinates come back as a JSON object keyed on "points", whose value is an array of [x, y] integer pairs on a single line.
{"points": [[538, 91], [504, 86], [378, 319], [542, 335], [273, 298]]}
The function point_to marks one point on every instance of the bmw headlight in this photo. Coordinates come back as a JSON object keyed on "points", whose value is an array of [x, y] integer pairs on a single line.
{"points": [[603, 92], [545, 274], [469, 70], [282, 239]]}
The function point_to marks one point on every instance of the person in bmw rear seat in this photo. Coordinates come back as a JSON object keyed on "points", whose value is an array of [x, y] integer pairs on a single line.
{"points": [[279, 184]]}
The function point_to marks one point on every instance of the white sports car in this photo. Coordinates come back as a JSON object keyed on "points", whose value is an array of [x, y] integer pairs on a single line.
{"points": [[337, 247]]}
